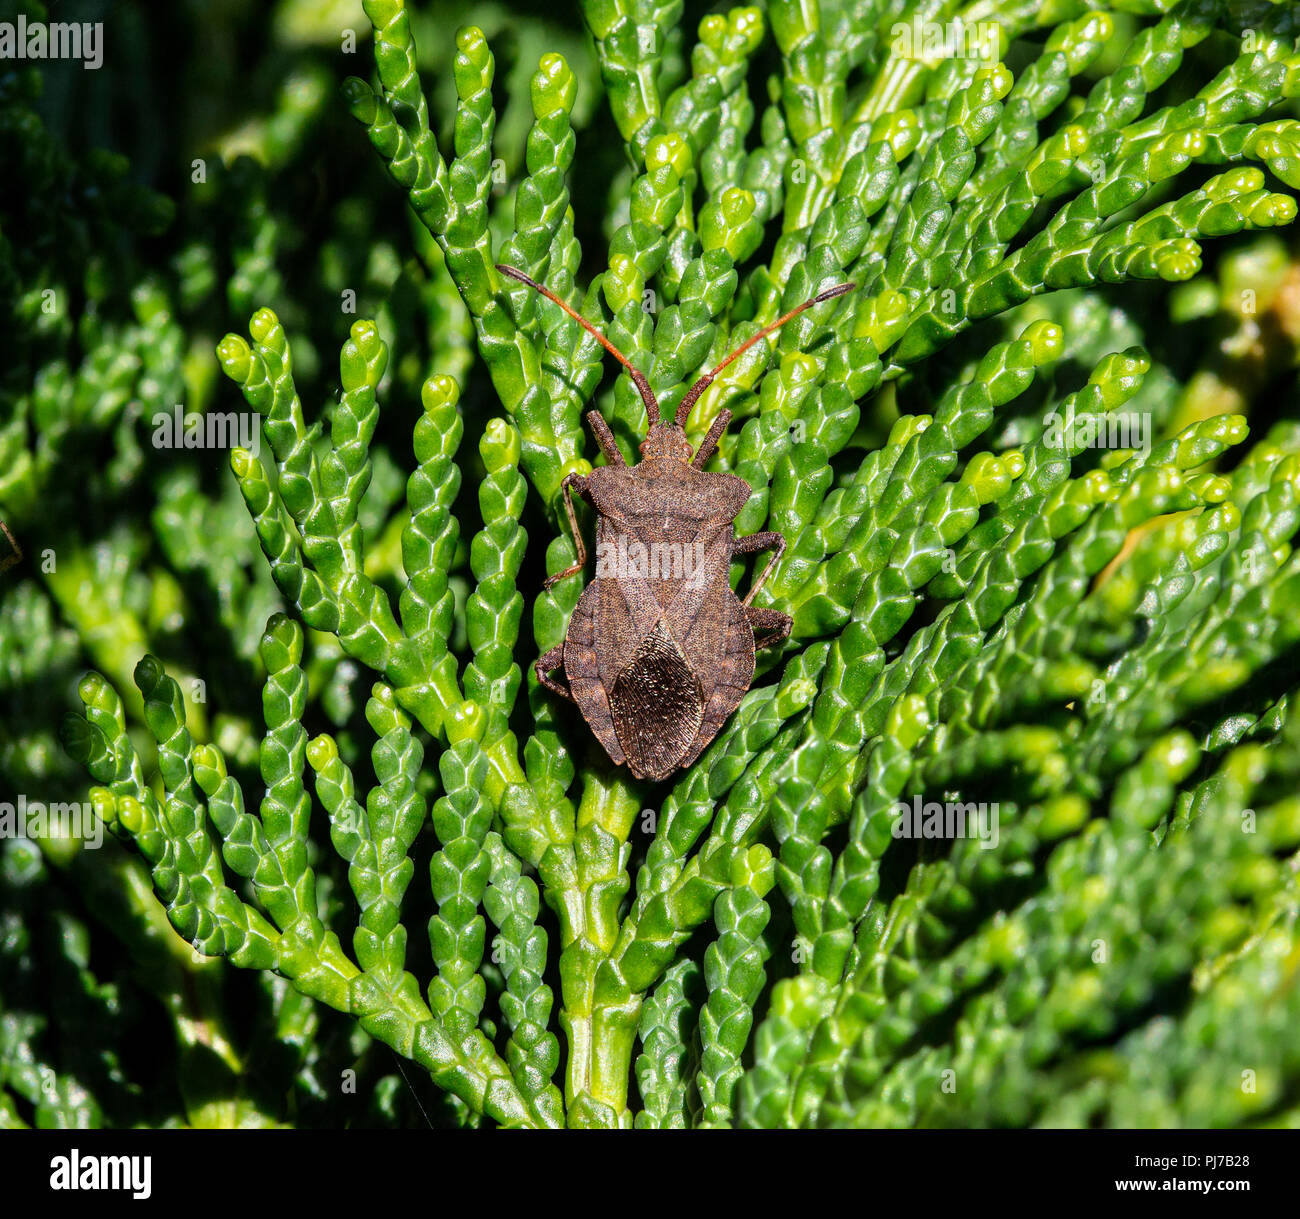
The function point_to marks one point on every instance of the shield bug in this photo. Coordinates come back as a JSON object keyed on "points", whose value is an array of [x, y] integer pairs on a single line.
{"points": [[659, 651]]}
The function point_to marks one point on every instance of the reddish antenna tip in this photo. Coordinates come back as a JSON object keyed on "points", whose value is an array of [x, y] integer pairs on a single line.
{"points": [[638, 378], [516, 274], [831, 293]]}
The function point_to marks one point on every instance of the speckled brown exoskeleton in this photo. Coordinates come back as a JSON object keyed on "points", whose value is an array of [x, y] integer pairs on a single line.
{"points": [[659, 651]]}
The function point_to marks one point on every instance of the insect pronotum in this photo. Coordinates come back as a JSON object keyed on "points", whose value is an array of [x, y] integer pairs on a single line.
{"points": [[659, 651]]}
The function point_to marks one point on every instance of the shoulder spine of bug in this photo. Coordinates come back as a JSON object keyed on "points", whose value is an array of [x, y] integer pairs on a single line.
{"points": [[659, 654]]}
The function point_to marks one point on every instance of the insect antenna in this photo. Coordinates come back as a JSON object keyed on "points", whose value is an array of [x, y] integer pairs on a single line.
{"points": [[692, 395], [638, 378]]}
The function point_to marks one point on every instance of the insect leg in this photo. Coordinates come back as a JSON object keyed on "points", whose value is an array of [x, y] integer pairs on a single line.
{"points": [[571, 481], [710, 441], [545, 664], [775, 625], [755, 542], [17, 556], [605, 438]]}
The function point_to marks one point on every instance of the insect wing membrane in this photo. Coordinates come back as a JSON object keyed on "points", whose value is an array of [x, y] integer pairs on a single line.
{"points": [[657, 704]]}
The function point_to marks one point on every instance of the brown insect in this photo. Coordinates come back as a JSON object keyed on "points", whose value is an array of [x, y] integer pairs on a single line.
{"points": [[659, 651]]}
